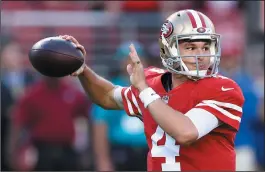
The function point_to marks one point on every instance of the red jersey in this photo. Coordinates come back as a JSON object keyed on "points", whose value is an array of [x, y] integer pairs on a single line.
{"points": [[219, 95], [49, 113]]}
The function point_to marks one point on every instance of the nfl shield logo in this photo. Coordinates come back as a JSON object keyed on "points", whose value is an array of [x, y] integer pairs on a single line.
{"points": [[165, 98]]}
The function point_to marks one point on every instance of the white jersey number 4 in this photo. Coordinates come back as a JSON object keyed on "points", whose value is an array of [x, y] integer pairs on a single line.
{"points": [[169, 150]]}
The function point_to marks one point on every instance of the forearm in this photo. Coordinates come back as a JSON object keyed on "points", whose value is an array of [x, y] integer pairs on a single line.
{"points": [[173, 122], [98, 89]]}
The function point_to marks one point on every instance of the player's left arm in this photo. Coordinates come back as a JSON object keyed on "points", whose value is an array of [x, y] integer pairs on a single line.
{"points": [[184, 128]]}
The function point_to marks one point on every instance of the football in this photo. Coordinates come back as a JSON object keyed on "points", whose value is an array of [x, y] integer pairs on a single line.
{"points": [[55, 57]]}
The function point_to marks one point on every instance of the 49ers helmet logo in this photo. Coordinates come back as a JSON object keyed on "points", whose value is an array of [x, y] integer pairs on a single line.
{"points": [[166, 29], [201, 30]]}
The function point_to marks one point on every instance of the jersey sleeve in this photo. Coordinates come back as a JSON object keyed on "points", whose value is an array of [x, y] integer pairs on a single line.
{"points": [[226, 105], [130, 102]]}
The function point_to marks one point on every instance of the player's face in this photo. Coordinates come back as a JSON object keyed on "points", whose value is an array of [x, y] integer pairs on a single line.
{"points": [[192, 48]]}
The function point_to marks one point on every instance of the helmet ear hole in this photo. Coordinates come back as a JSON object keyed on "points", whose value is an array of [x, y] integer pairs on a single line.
{"points": [[176, 46]]}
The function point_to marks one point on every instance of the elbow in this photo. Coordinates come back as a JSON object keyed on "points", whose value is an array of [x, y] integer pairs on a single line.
{"points": [[187, 138], [107, 107], [103, 105]]}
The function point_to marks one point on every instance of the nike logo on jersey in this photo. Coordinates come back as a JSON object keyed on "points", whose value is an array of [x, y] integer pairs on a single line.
{"points": [[226, 89]]}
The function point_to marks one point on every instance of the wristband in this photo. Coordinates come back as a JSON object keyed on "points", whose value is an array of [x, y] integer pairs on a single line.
{"points": [[147, 96]]}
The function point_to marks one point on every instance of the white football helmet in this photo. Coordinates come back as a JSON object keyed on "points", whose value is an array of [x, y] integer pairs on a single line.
{"points": [[192, 25]]}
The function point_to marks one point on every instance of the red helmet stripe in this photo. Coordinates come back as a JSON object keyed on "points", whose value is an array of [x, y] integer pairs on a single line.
{"points": [[202, 19], [192, 19]]}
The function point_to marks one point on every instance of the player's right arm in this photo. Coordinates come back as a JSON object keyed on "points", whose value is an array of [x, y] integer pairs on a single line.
{"points": [[100, 90]]}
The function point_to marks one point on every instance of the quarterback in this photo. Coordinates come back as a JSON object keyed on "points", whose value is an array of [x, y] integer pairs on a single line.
{"points": [[191, 114]]}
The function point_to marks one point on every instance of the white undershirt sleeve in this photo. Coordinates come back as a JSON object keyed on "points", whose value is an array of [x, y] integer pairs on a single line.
{"points": [[203, 120], [117, 96]]}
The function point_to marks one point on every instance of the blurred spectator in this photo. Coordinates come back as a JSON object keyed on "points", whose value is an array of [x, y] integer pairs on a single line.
{"points": [[119, 140], [14, 73], [163, 7], [222, 8], [146, 6], [258, 124], [262, 16], [233, 39], [15, 5], [55, 5], [42, 130], [259, 127], [6, 103], [153, 51]]}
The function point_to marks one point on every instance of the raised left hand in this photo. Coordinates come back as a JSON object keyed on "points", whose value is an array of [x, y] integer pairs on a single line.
{"points": [[136, 70]]}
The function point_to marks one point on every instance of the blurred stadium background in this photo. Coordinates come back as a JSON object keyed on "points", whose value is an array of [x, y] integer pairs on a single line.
{"points": [[64, 137]]}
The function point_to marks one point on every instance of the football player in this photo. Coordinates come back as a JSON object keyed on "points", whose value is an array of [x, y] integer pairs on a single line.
{"points": [[191, 114]]}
